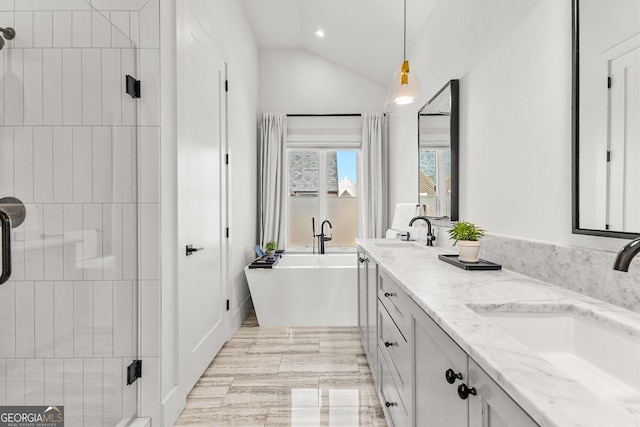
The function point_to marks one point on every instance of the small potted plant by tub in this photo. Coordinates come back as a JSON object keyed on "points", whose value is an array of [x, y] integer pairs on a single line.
{"points": [[467, 236], [271, 249]]}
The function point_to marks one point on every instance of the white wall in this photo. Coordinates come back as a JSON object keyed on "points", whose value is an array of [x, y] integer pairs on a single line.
{"points": [[513, 59], [234, 41], [297, 81]]}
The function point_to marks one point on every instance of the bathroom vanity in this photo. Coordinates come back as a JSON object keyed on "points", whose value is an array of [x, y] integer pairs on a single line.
{"points": [[441, 355]]}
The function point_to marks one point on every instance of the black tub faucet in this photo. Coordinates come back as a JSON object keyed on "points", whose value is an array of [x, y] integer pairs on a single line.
{"points": [[430, 236], [626, 254], [322, 237]]}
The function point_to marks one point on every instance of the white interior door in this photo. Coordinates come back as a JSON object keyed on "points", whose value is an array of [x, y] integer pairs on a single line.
{"points": [[624, 184], [201, 120]]}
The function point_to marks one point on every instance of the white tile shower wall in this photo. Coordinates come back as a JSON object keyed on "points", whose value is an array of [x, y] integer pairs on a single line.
{"points": [[69, 149]]}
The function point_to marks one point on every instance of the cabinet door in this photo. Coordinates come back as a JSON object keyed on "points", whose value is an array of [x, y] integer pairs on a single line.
{"points": [[491, 406], [362, 300], [372, 314], [436, 401]]}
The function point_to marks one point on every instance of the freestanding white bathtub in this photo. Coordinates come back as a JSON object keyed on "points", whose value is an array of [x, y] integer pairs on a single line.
{"points": [[306, 290]]}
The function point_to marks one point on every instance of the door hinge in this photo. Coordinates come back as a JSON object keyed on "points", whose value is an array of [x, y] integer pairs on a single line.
{"points": [[227, 232], [226, 159], [134, 371], [608, 156], [608, 82], [227, 305], [606, 226], [226, 85], [132, 87]]}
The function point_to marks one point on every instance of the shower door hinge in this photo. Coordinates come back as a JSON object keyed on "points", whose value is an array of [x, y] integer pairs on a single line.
{"points": [[226, 159], [133, 87], [226, 85], [227, 305], [227, 232], [608, 82], [608, 155], [134, 371]]}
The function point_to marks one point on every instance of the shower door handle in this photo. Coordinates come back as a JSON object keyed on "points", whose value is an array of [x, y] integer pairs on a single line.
{"points": [[5, 226]]}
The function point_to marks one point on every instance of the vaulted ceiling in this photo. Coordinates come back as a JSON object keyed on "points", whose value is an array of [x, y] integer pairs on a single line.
{"points": [[363, 36]]}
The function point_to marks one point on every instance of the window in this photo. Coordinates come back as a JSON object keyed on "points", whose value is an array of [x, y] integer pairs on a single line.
{"points": [[322, 172], [322, 185]]}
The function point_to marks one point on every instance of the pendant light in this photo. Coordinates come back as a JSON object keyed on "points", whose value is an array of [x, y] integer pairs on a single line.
{"points": [[405, 88]]}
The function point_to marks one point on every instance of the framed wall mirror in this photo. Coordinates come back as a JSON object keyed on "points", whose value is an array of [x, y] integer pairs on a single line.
{"points": [[606, 118], [438, 153]]}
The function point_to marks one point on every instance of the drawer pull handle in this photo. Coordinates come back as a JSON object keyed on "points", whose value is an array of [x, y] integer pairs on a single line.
{"points": [[388, 344], [388, 294], [451, 376], [464, 391], [389, 404]]}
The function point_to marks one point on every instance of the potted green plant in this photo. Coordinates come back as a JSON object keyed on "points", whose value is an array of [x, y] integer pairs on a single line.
{"points": [[467, 236], [271, 249]]}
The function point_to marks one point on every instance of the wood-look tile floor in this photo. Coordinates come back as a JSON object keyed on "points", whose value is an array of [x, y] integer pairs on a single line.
{"points": [[268, 376]]}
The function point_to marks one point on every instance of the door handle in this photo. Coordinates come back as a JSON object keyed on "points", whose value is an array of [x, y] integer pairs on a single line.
{"points": [[12, 214], [190, 250], [5, 226]]}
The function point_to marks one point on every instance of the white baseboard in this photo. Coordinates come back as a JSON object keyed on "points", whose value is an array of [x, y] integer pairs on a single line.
{"points": [[134, 422], [172, 406], [238, 316]]}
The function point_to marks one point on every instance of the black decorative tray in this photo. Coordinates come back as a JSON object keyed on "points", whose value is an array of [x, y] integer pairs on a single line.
{"points": [[480, 265], [264, 262]]}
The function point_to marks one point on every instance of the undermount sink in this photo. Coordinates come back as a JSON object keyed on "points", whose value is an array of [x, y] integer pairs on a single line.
{"points": [[594, 350]]}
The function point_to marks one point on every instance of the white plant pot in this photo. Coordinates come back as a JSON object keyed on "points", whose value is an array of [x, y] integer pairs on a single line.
{"points": [[468, 250]]}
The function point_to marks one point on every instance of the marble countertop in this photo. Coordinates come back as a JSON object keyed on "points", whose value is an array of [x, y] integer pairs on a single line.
{"points": [[445, 293]]}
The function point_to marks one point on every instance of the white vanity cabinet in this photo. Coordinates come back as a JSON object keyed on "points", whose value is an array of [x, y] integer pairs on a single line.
{"points": [[368, 308], [450, 388], [424, 379]]}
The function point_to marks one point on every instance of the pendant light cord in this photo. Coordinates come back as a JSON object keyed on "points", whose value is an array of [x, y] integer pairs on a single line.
{"points": [[404, 45]]}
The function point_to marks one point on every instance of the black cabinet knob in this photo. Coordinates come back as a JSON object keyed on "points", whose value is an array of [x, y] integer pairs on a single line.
{"points": [[388, 344], [464, 391], [389, 404], [451, 376]]}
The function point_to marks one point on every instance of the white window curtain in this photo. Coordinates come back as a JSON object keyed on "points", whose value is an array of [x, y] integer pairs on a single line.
{"points": [[272, 182], [373, 221]]}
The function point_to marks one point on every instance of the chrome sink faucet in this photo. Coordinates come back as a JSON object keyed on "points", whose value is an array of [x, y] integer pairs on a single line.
{"points": [[430, 236], [322, 237], [626, 254]]}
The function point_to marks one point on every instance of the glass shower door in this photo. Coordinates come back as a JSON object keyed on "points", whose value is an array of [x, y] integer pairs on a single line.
{"points": [[68, 153]]}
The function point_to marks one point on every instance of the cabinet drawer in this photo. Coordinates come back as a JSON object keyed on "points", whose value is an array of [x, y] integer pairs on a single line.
{"points": [[394, 300], [392, 404], [393, 343]]}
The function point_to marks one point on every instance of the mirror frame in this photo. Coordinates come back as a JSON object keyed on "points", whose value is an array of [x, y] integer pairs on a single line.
{"points": [[575, 136], [454, 135]]}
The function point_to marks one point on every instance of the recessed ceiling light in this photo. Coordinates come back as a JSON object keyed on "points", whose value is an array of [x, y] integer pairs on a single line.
{"points": [[320, 33]]}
